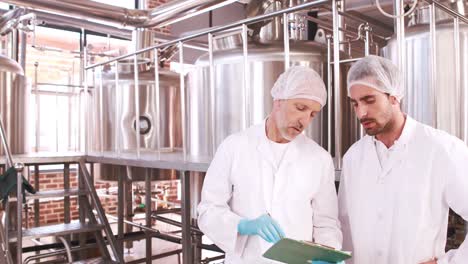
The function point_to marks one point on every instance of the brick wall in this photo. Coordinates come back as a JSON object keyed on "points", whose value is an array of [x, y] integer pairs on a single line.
{"points": [[52, 211]]}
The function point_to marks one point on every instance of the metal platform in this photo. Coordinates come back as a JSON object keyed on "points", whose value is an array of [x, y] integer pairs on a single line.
{"points": [[164, 160], [57, 230]]}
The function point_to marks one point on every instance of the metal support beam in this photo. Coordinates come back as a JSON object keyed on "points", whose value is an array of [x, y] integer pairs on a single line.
{"points": [[186, 219]]}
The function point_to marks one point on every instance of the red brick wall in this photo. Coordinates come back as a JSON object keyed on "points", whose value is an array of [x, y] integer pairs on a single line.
{"points": [[51, 211]]}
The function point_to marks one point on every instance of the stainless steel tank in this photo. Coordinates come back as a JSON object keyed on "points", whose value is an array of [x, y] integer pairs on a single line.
{"points": [[14, 97], [266, 63], [118, 119], [435, 99]]}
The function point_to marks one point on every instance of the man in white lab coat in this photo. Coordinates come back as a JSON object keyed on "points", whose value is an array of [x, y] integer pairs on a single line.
{"points": [[270, 180], [399, 181]]}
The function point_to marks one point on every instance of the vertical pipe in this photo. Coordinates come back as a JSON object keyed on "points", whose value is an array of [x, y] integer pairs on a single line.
{"points": [[286, 41], [38, 108], [246, 77], [182, 98], [148, 215], [337, 82], [118, 110], [5, 144], [56, 120], [66, 186], [212, 95], [400, 32], [186, 219], [432, 32], [66, 199], [120, 210], [366, 53], [158, 103], [36, 201], [456, 38], [367, 41], [330, 93], [19, 212], [101, 111], [137, 105], [86, 90]]}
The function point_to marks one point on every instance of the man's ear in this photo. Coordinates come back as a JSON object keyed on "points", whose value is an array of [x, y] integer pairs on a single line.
{"points": [[394, 100]]}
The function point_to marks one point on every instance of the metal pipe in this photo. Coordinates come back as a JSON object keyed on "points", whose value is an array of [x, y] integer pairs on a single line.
{"points": [[286, 40], [212, 94], [448, 10], [174, 222], [120, 211], [219, 29], [330, 94], [148, 216], [246, 87], [162, 15], [400, 33], [158, 103], [186, 218], [182, 99], [19, 211], [118, 109], [456, 38], [137, 105], [432, 34], [6, 148], [337, 83], [101, 111], [347, 61]]}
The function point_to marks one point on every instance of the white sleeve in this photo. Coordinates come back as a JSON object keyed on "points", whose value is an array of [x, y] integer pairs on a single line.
{"points": [[215, 217], [343, 210], [456, 196], [325, 210]]}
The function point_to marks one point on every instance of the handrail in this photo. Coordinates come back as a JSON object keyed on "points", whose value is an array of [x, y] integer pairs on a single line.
{"points": [[217, 29], [100, 211]]}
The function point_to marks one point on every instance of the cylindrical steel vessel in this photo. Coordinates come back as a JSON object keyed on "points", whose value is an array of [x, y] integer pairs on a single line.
{"points": [[118, 118], [438, 96], [14, 98]]}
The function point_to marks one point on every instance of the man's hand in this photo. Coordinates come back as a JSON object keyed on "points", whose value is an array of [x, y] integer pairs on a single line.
{"points": [[263, 226]]}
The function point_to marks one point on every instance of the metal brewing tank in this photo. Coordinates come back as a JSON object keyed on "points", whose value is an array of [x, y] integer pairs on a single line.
{"points": [[14, 97], [266, 63], [119, 118], [438, 100]]}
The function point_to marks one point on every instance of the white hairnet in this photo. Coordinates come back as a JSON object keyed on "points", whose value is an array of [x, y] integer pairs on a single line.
{"points": [[378, 73], [300, 82]]}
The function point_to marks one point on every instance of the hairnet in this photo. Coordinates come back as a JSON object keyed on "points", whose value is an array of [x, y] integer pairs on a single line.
{"points": [[378, 73], [300, 82]]}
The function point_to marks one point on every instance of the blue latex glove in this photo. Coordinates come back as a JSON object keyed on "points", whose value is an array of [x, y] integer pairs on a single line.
{"points": [[324, 262], [263, 226]]}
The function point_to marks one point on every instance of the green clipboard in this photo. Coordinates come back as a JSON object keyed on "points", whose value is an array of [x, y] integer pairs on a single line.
{"points": [[299, 252]]}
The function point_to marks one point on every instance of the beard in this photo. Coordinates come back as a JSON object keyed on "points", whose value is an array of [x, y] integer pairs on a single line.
{"points": [[379, 126]]}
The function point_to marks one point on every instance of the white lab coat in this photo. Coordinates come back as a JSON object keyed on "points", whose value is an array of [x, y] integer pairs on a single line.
{"points": [[399, 213], [242, 183]]}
